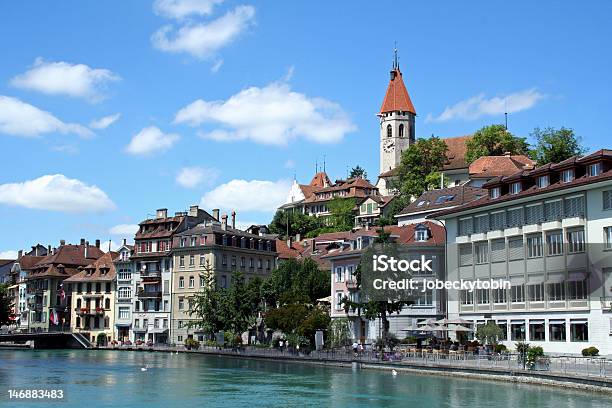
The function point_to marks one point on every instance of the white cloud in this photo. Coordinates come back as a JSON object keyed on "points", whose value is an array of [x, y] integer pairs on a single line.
{"points": [[243, 195], [190, 177], [124, 229], [151, 140], [203, 40], [10, 254], [113, 245], [216, 66], [104, 122], [18, 118], [182, 8], [289, 164], [273, 114], [56, 193], [68, 149], [477, 106], [64, 78]]}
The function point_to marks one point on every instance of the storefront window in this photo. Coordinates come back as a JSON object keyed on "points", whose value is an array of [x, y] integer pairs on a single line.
{"points": [[556, 330], [536, 330], [579, 331], [517, 330]]}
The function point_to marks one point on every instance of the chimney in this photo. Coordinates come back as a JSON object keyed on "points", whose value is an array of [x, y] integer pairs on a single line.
{"points": [[216, 214], [161, 213], [233, 219], [289, 242], [224, 222], [298, 237], [193, 211], [97, 243], [49, 250], [86, 249], [82, 241], [35, 250], [124, 241], [20, 254], [62, 242], [313, 245]]}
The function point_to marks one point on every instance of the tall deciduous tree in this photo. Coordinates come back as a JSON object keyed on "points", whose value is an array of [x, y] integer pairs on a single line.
{"points": [[6, 304], [298, 223], [555, 145], [494, 140]]}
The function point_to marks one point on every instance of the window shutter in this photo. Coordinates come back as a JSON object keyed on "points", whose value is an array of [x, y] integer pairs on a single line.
{"points": [[481, 223], [553, 210], [515, 217], [498, 250], [533, 214], [498, 220], [465, 255], [574, 207], [515, 249]]}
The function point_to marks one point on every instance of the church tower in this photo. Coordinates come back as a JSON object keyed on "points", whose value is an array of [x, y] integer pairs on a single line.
{"points": [[396, 121]]}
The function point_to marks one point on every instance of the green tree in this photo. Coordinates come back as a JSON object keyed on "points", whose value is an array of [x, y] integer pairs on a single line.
{"points": [[341, 210], [358, 171], [297, 279], [298, 223], [207, 306], [494, 140], [489, 333], [6, 304], [339, 332], [555, 145]]}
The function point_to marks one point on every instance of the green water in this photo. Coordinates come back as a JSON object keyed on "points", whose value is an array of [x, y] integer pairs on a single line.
{"points": [[92, 379]]}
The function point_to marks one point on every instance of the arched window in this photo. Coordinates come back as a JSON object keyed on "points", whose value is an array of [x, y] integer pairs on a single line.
{"points": [[389, 131], [401, 131], [107, 303]]}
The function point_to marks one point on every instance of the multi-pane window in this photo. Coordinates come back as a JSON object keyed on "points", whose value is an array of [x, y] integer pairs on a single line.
{"points": [[465, 255], [554, 243], [574, 206], [124, 313], [543, 181], [567, 175], [499, 295], [534, 214], [515, 249], [575, 241], [577, 290], [579, 330], [498, 250], [495, 192], [556, 330], [481, 252], [534, 246], [467, 297], [465, 226], [498, 220], [481, 223], [553, 210], [181, 303], [339, 274], [607, 200], [339, 297], [594, 169], [608, 237], [181, 282], [537, 330], [556, 291], [182, 261], [482, 296], [517, 293], [191, 281], [515, 188], [191, 260], [515, 217], [536, 292]]}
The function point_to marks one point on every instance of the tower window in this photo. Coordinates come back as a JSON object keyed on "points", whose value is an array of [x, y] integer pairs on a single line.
{"points": [[389, 131], [401, 130]]}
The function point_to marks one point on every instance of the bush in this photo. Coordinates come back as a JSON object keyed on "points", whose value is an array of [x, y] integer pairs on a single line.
{"points": [[590, 351], [409, 340], [192, 344], [500, 348]]}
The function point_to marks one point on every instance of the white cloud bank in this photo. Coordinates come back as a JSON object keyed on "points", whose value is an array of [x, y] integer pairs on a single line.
{"points": [[151, 140], [56, 193], [18, 118], [477, 106], [203, 40], [243, 195], [182, 8], [190, 177], [104, 122], [272, 115], [124, 229], [10, 254], [64, 78]]}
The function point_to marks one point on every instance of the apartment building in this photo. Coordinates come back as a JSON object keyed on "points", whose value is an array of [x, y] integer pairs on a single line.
{"points": [[152, 258], [92, 304], [548, 231], [425, 239], [218, 248], [125, 301]]}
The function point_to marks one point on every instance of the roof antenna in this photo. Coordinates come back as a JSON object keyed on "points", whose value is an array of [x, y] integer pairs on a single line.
{"points": [[316, 166], [506, 112], [323, 163], [395, 60]]}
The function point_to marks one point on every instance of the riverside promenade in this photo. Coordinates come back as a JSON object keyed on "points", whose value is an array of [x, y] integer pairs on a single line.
{"points": [[569, 371]]}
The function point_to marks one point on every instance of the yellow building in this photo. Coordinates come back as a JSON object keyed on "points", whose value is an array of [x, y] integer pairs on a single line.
{"points": [[93, 300]]}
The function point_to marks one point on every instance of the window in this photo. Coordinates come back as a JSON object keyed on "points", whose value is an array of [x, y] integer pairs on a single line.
{"points": [[574, 206], [517, 331], [556, 330], [556, 291], [202, 260], [182, 261], [420, 234], [579, 330], [481, 223], [517, 294], [499, 296], [577, 290], [543, 181], [124, 313], [537, 330], [224, 281], [495, 192], [554, 243], [515, 188], [339, 274], [567, 175], [536, 292], [224, 260], [482, 296], [553, 210], [608, 237], [465, 226], [424, 298], [193, 241], [339, 300], [534, 246], [534, 214], [498, 250], [515, 249], [191, 260], [594, 170], [515, 217], [401, 130], [202, 281], [191, 282], [465, 255], [182, 242], [181, 282], [503, 325], [498, 220], [607, 200], [107, 303], [125, 293], [181, 303], [575, 241], [481, 252], [389, 131], [467, 297]]}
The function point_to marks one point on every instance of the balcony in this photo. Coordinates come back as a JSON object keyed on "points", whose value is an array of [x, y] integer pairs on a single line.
{"points": [[82, 311], [150, 274], [352, 285], [606, 303], [145, 294], [90, 295]]}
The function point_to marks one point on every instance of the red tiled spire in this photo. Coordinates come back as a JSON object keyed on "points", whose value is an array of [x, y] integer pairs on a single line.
{"points": [[397, 98]]}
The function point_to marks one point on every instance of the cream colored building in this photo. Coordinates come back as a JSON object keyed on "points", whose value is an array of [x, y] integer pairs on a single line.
{"points": [[93, 300]]}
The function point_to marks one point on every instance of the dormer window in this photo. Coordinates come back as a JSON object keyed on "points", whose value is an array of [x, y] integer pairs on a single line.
{"points": [[515, 188], [421, 233], [495, 192], [594, 169], [567, 175], [543, 181]]}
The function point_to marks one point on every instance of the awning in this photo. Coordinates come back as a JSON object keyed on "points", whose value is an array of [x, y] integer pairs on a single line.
{"points": [[576, 276], [536, 321], [555, 277]]}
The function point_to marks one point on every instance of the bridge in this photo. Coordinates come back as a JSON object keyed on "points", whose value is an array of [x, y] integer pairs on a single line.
{"points": [[48, 340]]}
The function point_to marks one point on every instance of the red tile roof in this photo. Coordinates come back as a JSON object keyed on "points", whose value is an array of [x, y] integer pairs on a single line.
{"points": [[493, 166], [397, 98], [104, 262], [455, 154], [320, 180]]}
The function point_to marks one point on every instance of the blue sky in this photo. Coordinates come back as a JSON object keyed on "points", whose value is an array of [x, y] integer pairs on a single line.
{"points": [[220, 103]]}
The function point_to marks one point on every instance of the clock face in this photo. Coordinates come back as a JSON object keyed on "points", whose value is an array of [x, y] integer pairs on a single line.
{"points": [[388, 146]]}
